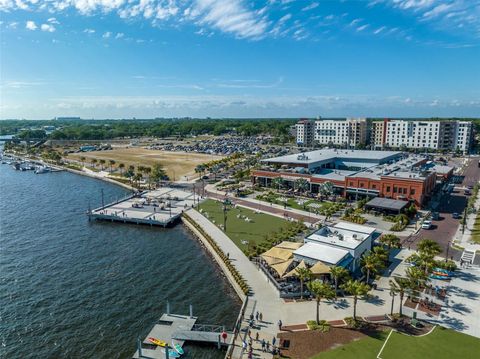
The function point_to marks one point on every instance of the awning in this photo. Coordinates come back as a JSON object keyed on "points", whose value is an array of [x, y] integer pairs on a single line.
{"points": [[289, 245], [293, 272], [278, 253], [387, 204], [281, 268], [320, 268]]}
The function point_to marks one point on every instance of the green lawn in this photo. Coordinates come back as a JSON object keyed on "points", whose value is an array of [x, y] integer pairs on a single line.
{"points": [[292, 202], [476, 230], [237, 228], [440, 344], [366, 348]]}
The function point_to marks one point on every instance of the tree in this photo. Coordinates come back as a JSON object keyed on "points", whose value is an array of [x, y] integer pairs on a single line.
{"points": [[93, 161], [158, 173], [83, 158], [370, 264], [121, 166], [325, 189], [111, 162], [401, 286], [429, 247], [393, 293], [357, 290], [303, 274], [102, 163], [301, 184], [320, 291], [277, 183], [390, 240], [417, 277], [381, 253], [337, 273]]}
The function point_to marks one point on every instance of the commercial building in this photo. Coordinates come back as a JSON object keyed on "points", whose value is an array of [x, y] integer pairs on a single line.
{"points": [[348, 132], [340, 245], [355, 173], [304, 130], [436, 135]]}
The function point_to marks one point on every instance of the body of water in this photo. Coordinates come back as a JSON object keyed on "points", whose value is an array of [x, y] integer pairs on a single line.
{"points": [[70, 288]]}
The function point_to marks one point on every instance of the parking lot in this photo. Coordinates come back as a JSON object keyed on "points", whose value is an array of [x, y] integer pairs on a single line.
{"points": [[444, 229]]}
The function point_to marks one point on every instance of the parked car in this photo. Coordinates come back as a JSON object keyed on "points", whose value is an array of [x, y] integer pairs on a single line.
{"points": [[467, 192], [427, 224], [455, 215], [435, 216]]}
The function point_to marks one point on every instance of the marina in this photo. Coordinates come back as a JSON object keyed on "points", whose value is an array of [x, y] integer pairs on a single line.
{"points": [[159, 207]]}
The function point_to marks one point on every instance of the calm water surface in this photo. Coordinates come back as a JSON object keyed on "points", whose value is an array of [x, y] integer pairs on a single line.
{"points": [[70, 288]]}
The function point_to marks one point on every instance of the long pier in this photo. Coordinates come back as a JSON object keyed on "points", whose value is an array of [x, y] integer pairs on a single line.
{"points": [[178, 329]]}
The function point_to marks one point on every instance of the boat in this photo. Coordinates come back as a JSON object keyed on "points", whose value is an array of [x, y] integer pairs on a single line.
{"points": [[16, 166], [171, 353], [42, 169], [178, 348], [158, 342]]}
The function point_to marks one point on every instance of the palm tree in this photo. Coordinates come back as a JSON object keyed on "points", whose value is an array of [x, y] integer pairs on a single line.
{"points": [[393, 293], [302, 184], [381, 253], [390, 240], [417, 277], [277, 182], [320, 291], [94, 162], [370, 264], [337, 273], [121, 166], [111, 162], [83, 158], [429, 247], [325, 189], [357, 289], [303, 274], [401, 286], [102, 162]]}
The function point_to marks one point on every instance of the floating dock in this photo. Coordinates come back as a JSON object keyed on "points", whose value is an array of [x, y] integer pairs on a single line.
{"points": [[178, 329], [159, 207]]}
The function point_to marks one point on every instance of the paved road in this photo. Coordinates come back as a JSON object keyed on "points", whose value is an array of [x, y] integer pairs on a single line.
{"points": [[445, 229], [264, 207]]}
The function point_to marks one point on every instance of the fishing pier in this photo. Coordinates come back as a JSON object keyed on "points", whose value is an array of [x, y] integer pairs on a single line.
{"points": [[178, 329], [159, 207]]}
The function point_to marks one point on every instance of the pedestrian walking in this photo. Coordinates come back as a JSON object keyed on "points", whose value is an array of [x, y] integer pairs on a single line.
{"points": [[280, 324], [268, 346], [256, 337], [263, 345], [251, 317], [256, 316], [244, 345], [261, 316], [274, 340], [250, 334]]}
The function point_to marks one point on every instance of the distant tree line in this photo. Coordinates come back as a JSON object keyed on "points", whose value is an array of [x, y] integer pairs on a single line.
{"points": [[109, 129]]}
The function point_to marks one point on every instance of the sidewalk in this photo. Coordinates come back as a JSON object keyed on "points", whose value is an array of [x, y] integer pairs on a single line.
{"points": [[464, 239]]}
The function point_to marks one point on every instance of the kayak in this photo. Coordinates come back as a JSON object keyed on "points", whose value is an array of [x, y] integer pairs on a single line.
{"points": [[158, 342], [178, 348], [171, 353]]}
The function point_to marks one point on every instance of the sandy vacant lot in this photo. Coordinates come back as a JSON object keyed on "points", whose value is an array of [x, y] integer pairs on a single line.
{"points": [[177, 164]]}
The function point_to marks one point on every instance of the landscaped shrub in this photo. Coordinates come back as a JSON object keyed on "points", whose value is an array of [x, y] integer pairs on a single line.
{"points": [[323, 325]]}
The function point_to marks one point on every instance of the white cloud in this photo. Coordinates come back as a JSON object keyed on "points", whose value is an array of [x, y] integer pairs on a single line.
{"points": [[47, 27], [437, 10], [53, 20], [379, 30], [30, 25], [312, 6], [363, 27], [89, 31], [107, 35], [119, 35], [354, 22]]}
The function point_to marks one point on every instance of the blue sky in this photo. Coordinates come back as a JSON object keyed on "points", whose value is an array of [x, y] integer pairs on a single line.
{"points": [[239, 58]]}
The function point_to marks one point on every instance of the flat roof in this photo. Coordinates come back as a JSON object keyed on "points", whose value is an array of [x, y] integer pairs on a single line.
{"points": [[345, 235], [321, 252], [331, 154], [387, 203]]}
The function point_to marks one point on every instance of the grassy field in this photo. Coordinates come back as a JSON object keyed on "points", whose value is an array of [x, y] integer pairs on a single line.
{"points": [[176, 164], [440, 344], [292, 202], [237, 228]]}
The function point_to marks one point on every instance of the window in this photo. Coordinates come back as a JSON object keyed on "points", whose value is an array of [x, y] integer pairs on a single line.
{"points": [[412, 191], [394, 189], [374, 186], [388, 188], [351, 184]]}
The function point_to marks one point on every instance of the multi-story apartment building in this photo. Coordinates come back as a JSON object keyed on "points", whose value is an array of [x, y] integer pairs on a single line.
{"points": [[436, 135], [341, 132], [305, 132]]}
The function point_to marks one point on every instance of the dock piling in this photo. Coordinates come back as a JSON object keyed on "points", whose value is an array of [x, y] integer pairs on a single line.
{"points": [[168, 307], [191, 311], [139, 345]]}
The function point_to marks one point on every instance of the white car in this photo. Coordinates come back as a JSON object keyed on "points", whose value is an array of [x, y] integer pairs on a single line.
{"points": [[427, 224]]}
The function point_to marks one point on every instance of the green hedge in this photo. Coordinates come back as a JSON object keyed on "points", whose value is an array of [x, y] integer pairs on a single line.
{"points": [[234, 271]]}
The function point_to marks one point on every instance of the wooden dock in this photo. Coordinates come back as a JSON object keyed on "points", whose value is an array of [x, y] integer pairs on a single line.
{"points": [[178, 329]]}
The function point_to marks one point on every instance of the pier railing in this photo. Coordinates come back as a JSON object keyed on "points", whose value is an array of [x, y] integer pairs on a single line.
{"points": [[237, 328]]}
